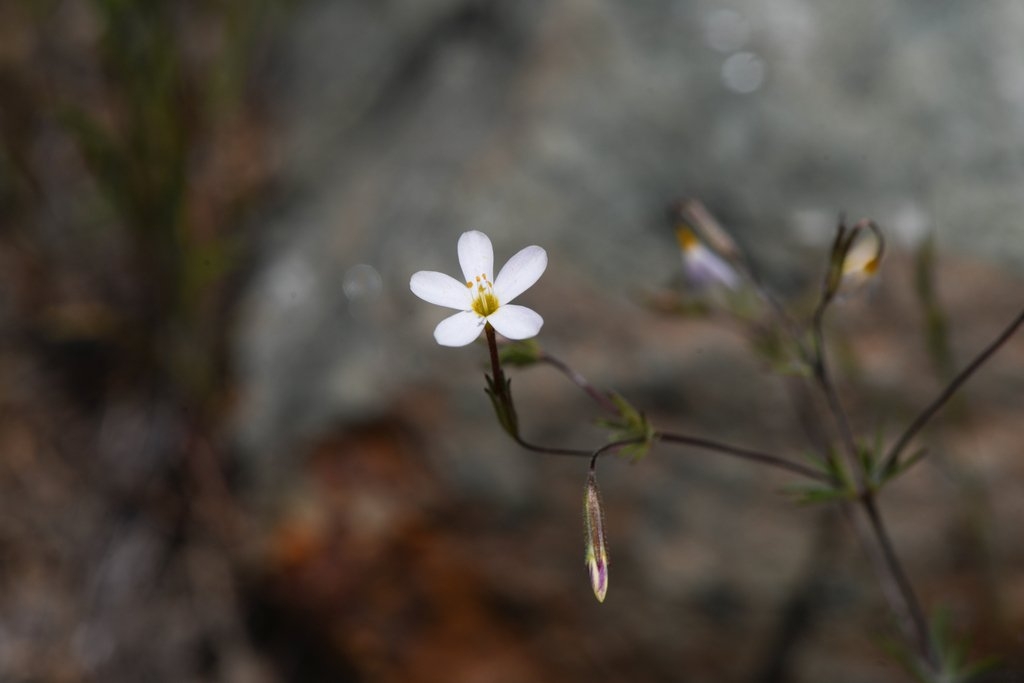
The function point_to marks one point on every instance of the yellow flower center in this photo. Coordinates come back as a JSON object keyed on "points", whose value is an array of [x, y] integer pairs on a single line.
{"points": [[687, 240], [484, 301]]}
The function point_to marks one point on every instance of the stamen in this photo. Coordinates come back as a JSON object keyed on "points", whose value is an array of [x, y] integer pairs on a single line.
{"points": [[687, 240], [484, 301]]}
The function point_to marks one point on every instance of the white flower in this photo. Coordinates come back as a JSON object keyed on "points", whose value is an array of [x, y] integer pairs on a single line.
{"points": [[861, 263], [481, 298], [703, 267]]}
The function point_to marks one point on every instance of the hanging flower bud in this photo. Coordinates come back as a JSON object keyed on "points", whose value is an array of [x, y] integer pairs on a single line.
{"points": [[597, 547]]}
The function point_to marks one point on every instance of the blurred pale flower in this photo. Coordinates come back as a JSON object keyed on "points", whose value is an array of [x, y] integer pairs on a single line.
{"points": [[861, 263], [703, 267], [481, 298], [596, 555]]}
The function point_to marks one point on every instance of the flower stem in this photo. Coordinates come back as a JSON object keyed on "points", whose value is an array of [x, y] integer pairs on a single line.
{"points": [[706, 444], [504, 396], [614, 445], [745, 453], [579, 380], [900, 591], [892, 457], [550, 450], [835, 406], [895, 584], [496, 371]]}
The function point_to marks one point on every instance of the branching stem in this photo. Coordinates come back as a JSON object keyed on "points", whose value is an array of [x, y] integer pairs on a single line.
{"points": [[903, 598], [668, 437], [579, 380], [744, 453], [827, 386], [892, 457], [896, 585]]}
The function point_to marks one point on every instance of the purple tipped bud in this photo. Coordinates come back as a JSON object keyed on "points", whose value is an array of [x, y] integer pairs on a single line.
{"points": [[596, 545]]}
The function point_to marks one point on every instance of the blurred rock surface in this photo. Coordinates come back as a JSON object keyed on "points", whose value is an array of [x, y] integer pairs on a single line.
{"points": [[572, 125]]}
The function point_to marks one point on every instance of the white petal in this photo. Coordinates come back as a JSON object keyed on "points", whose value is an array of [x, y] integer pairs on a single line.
{"points": [[519, 274], [476, 255], [516, 322], [459, 329], [443, 290], [704, 268], [864, 252]]}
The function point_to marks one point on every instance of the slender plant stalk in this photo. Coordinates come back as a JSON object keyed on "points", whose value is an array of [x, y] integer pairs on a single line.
{"points": [[608, 447], [744, 453], [827, 386], [896, 586], [898, 589], [668, 437], [775, 306], [892, 457], [496, 372], [895, 583], [551, 450], [505, 397], [579, 380], [914, 621]]}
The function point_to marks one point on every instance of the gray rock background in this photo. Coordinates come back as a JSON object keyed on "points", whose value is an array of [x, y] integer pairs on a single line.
{"points": [[571, 125]]}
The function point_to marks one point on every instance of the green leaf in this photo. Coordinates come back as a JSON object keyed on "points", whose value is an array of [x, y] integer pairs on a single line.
{"points": [[520, 353], [831, 466], [951, 651], [631, 424], [896, 469]]}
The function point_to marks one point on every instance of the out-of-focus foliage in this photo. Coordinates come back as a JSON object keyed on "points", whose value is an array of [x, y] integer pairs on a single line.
{"points": [[139, 147], [134, 148]]}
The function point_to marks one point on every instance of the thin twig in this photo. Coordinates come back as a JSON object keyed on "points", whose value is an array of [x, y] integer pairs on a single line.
{"points": [[614, 445], [549, 450], [824, 379], [697, 442], [706, 444], [778, 310], [579, 380], [504, 396], [745, 453], [896, 586], [916, 623], [892, 457]]}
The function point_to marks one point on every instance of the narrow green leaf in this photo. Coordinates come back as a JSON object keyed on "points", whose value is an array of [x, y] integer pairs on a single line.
{"points": [[520, 353]]}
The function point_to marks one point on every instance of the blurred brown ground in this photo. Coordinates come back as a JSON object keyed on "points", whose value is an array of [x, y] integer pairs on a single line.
{"points": [[373, 568]]}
